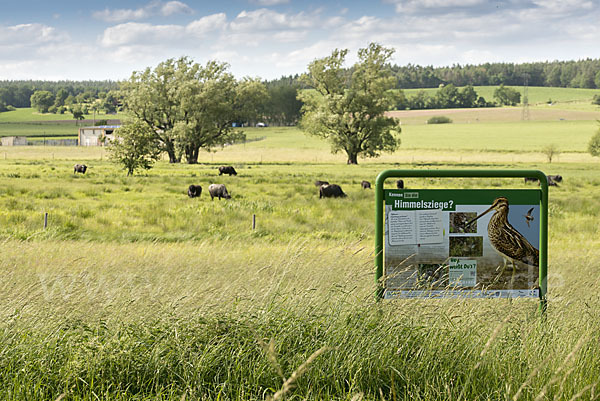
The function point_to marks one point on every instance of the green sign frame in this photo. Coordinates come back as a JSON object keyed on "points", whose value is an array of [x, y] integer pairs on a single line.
{"points": [[379, 214]]}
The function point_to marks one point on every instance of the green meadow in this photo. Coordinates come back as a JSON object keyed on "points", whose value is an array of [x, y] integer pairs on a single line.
{"points": [[134, 291], [535, 94], [28, 122]]}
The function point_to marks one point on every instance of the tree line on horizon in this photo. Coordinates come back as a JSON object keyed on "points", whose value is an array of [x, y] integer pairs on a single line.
{"points": [[282, 106]]}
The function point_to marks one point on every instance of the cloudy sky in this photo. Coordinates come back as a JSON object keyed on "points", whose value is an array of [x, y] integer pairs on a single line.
{"points": [[109, 39]]}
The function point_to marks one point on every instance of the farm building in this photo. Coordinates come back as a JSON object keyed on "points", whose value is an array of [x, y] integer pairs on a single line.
{"points": [[97, 135], [14, 141]]}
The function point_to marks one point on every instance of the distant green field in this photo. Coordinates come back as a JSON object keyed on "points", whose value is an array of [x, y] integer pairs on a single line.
{"points": [[30, 114], [571, 136], [536, 94], [28, 122], [38, 129]]}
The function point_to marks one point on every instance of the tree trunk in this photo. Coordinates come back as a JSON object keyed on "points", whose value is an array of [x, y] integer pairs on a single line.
{"points": [[352, 158], [170, 148], [191, 154]]}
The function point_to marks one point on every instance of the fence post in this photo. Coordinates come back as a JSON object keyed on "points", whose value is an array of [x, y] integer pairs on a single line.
{"points": [[45, 220], [253, 221]]}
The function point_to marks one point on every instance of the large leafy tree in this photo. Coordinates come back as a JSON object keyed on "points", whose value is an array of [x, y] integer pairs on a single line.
{"points": [[347, 106], [190, 107], [211, 104], [153, 97], [134, 147]]}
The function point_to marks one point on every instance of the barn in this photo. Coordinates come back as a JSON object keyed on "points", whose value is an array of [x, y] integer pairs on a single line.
{"points": [[14, 141], [96, 135]]}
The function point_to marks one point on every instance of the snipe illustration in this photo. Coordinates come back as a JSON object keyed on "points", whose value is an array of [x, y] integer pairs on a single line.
{"points": [[510, 243]]}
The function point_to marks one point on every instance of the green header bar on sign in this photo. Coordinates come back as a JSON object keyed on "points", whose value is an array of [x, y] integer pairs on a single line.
{"points": [[447, 199]]}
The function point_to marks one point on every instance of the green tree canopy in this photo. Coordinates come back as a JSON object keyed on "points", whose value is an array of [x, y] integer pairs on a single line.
{"points": [[134, 147], [594, 144], [42, 100], [507, 96], [347, 108], [77, 112], [188, 106]]}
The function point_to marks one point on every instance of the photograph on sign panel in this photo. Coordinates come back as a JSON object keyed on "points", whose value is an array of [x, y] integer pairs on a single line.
{"points": [[466, 246], [459, 220]]}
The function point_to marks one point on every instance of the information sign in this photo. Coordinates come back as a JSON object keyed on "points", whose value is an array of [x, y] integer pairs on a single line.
{"points": [[475, 243]]}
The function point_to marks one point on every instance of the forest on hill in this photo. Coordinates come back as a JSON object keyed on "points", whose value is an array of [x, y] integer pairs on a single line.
{"points": [[282, 107]]}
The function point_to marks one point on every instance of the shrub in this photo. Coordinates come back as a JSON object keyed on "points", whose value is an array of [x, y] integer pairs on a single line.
{"points": [[596, 100], [439, 120], [594, 144], [550, 151]]}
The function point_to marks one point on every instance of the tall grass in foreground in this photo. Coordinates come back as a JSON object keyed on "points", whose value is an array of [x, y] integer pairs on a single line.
{"points": [[196, 320]]}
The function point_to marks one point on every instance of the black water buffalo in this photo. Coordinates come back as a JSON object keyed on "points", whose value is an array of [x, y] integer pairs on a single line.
{"points": [[365, 184], [318, 183], [331, 191], [218, 191], [555, 178], [194, 191], [227, 170], [552, 180], [79, 168], [400, 184]]}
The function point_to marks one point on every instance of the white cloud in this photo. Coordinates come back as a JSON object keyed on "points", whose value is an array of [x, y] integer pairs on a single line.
{"points": [[290, 36], [121, 15], [207, 24], [414, 6], [564, 6], [29, 35], [132, 33], [268, 3], [147, 11], [264, 19], [175, 7]]}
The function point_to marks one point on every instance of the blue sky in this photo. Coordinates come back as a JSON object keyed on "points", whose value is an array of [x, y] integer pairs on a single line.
{"points": [[108, 39]]}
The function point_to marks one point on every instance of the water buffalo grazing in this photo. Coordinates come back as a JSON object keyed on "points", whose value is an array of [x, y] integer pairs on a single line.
{"points": [[218, 191], [331, 191], [555, 178], [530, 179], [365, 185], [194, 191], [318, 183], [79, 168], [227, 170], [400, 184]]}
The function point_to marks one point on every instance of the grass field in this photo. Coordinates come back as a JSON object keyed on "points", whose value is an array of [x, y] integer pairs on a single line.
{"points": [[136, 292], [28, 122], [535, 94], [32, 115]]}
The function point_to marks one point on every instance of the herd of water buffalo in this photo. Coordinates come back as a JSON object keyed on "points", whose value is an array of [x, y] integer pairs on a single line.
{"points": [[326, 190]]}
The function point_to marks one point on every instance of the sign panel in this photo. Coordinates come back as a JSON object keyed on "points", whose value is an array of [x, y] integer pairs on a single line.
{"points": [[468, 243]]}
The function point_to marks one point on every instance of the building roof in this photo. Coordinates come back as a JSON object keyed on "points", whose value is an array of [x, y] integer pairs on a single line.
{"points": [[103, 127]]}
